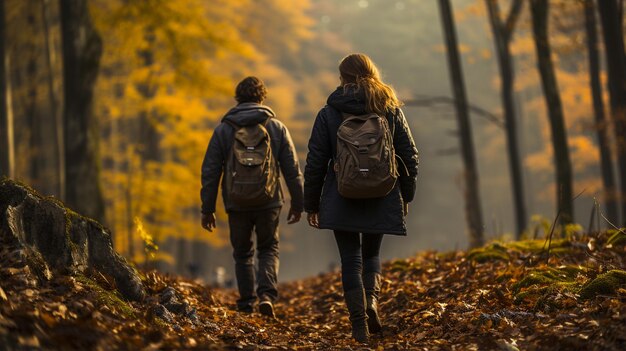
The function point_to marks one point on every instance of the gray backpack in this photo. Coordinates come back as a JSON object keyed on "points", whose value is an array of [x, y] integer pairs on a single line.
{"points": [[251, 169], [365, 162]]}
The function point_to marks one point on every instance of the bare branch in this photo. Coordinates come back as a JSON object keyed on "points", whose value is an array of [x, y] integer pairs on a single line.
{"points": [[427, 101]]}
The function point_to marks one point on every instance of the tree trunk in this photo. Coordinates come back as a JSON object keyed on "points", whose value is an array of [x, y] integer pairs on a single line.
{"points": [[82, 48], [565, 208], [610, 18], [4, 76], [129, 205], [472, 196], [606, 160], [502, 33], [56, 111], [34, 122], [7, 139]]}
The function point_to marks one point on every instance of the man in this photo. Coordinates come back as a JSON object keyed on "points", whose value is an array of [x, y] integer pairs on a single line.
{"points": [[251, 141]]}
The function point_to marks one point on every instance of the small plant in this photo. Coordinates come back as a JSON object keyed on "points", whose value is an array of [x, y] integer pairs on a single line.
{"points": [[150, 247]]}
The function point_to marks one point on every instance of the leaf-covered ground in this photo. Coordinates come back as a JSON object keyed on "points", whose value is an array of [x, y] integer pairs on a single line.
{"points": [[504, 296]]}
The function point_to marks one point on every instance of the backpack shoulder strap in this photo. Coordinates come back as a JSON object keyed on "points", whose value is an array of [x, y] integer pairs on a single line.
{"points": [[232, 124]]}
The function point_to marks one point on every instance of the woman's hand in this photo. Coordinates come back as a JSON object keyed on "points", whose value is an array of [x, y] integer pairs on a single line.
{"points": [[313, 218]]}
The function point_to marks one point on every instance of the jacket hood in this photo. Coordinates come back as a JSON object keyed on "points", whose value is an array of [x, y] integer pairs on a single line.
{"points": [[348, 100], [249, 113]]}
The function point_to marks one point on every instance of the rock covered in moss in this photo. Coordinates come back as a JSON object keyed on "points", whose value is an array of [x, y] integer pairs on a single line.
{"points": [[492, 252], [606, 284], [57, 240]]}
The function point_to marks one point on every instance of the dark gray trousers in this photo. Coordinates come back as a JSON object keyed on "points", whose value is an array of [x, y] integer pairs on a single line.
{"points": [[265, 224]]}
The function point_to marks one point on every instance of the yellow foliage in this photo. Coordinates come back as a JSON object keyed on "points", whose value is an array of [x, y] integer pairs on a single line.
{"points": [[168, 74]]}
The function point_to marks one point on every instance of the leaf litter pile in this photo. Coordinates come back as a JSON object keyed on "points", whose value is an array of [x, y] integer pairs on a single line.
{"points": [[503, 296]]}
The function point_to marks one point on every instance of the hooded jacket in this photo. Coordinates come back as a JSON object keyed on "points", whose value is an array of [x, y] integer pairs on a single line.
{"points": [[282, 146], [377, 216]]}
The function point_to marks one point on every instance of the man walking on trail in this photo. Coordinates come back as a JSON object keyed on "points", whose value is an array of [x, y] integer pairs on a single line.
{"points": [[250, 148]]}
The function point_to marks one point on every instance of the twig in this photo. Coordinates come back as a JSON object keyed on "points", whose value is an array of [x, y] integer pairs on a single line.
{"points": [[612, 225], [422, 100], [558, 214], [593, 214], [598, 216], [580, 193]]}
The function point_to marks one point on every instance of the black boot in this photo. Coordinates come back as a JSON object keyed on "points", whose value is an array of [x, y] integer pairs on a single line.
{"points": [[355, 300], [371, 282]]}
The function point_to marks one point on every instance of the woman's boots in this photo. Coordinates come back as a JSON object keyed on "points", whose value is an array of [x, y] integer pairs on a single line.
{"points": [[371, 282], [355, 300]]}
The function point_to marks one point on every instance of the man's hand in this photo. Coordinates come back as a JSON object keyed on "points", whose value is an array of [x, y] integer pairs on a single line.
{"points": [[208, 221], [405, 208], [313, 218], [293, 216]]}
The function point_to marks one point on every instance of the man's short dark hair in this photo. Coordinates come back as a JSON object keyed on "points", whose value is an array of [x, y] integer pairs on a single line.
{"points": [[250, 89]]}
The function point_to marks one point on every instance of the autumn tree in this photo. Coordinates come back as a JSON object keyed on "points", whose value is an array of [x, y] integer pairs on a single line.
{"points": [[502, 31], [168, 74], [564, 197], [82, 48], [470, 173], [613, 38], [601, 124]]}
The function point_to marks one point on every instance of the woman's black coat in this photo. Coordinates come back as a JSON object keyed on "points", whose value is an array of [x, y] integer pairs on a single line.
{"points": [[382, 215]]}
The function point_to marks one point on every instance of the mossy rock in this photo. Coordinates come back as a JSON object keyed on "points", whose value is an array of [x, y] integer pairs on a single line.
{"points": [[564, 276], [59, 241], [112, 299], [604, 284], [536, 246], [542, 283], [491, 252]]}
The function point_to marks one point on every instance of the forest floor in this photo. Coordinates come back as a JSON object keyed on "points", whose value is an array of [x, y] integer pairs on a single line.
{"points": [[501, 297]]}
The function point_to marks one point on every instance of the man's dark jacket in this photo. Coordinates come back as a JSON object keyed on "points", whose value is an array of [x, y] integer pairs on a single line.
{"points": [[381, 215], [213, 166]]}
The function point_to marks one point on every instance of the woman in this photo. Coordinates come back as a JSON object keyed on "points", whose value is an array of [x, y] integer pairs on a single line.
{"points": [[359, 224]]}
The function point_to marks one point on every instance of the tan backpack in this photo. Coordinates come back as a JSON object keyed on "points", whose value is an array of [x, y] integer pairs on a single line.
{"points": [[251, 169], [365, 162]]}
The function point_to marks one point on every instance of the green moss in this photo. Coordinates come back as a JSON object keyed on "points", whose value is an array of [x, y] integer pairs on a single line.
{"points": [[108, 298], [536, 246], [544, 283], [491, 252], [606, 283], [561, 277]]}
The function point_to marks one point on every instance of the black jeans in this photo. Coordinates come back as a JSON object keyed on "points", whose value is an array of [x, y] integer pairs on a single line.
{"points": [[360, 254], [265, 224]]}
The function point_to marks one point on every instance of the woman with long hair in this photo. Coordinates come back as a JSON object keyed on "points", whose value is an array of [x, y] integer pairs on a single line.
{"points": [[359, 224]]}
